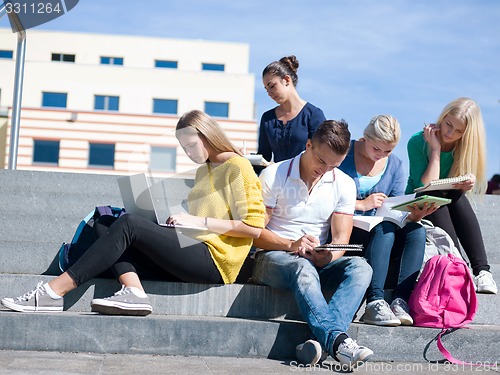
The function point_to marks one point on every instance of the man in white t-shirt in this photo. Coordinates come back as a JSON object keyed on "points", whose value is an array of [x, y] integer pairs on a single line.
{"points": [[306, 199]]}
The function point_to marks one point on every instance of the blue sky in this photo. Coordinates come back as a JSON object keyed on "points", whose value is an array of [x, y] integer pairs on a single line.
{"points": [[357, 58]]}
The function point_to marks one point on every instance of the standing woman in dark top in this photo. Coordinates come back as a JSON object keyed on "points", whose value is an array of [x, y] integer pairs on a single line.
{"points": [[285, 129]]}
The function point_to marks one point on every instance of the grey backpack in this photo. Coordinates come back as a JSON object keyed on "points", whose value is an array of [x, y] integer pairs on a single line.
{"points": [[437, 242]]}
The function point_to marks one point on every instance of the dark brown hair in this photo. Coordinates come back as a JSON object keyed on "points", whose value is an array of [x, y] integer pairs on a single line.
{"points": [[287, 65], [335, 134]]}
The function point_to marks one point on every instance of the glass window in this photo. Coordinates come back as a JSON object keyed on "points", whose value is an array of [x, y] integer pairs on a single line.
{"points": [[216, 67], [46, 152], [165, 64], [4, 54], [102, 155], [163, 159], [106, 103], [107, 60], [54, 99], [168, 106], [217, 109], [63, 57]]}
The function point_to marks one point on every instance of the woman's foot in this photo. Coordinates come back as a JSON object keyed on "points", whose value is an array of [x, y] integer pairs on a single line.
{"points": [[485, 283], [402, 311], [127, 301], [38, 300], [379, 313]]}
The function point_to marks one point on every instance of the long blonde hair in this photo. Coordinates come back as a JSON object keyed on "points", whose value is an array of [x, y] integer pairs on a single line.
{"points": [[469, 153], [383, 128], [198, 122]]}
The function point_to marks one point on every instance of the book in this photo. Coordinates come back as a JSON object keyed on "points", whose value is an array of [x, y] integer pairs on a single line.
{"points": [[339, 247], [257, 159], [384, 213], [442, 184], [421, 201]]}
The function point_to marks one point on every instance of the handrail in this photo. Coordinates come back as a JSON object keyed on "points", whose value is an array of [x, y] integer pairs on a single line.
{"points": [[18, 86]]}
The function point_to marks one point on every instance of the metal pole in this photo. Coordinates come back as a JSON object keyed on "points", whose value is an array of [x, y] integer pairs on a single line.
{"points": [[18, 92]]}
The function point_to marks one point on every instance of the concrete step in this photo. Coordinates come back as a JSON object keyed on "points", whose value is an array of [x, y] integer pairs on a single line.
{"points": [[169, 298], [247, 301], [225, 337], [39, 211]]}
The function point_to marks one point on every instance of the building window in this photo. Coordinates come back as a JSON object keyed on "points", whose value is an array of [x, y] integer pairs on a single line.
{"points": [[165, 64], [106, 103], [4, 54], [102, 155], [54, 99], [163, 159], [215, 67], [107, 60], [63, 57], [46, 152], [168, 106], [217, 109]]}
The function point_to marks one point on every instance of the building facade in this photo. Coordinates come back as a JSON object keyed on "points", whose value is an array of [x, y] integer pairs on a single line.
{"points": [[98, 103]]}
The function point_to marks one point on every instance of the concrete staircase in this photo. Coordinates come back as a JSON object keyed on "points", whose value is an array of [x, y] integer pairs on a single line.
{"points": [[40, 210]]}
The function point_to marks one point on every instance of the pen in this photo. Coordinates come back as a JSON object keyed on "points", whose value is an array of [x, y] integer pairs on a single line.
{"points": [[304, 232]]}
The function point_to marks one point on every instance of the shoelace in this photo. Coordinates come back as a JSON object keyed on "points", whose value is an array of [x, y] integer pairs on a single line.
{"points": [[351, 345], [399, 304], [380, 305], [37, 291], [124, 290]]}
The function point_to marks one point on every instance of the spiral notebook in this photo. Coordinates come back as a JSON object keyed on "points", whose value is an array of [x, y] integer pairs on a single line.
{"points": [[443, 183], [340, 247]]}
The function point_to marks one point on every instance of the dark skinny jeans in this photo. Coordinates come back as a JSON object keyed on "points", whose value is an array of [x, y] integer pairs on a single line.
{"points": [[460, 222], [134, 244], [387, 242]]}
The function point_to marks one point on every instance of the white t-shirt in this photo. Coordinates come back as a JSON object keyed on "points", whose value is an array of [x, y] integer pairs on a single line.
{"points": [[295, 210]]}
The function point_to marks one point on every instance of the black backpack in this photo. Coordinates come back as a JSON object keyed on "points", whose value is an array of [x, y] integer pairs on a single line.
{"points": [[84, 236]]}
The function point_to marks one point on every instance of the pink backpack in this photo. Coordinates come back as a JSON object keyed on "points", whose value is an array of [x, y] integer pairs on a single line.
{"points": [[444, 297]]}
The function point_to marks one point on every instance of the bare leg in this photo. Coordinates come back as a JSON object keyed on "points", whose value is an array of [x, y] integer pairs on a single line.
{"points": [[130, 279], [62, 284]]}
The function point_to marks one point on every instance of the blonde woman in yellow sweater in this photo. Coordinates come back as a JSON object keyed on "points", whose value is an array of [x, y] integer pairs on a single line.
{"points": [[226, 199]]}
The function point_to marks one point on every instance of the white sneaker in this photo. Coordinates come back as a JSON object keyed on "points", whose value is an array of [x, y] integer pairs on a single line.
{"points": [[379, 313], [400, 308], [351, 355], [485, 283], [310, 353]]}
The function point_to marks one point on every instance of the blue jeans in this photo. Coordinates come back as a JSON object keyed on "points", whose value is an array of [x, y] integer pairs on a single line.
{"points": [[347, 278], [389, 241]]}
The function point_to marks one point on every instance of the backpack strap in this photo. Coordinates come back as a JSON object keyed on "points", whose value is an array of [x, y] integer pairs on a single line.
{"points": [[447, 354]]}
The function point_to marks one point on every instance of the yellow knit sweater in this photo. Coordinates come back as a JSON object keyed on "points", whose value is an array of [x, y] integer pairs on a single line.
{"points": [[230, 191]]}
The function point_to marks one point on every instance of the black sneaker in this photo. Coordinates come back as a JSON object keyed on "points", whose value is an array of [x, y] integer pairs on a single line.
{"points": [[123, 302]]}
